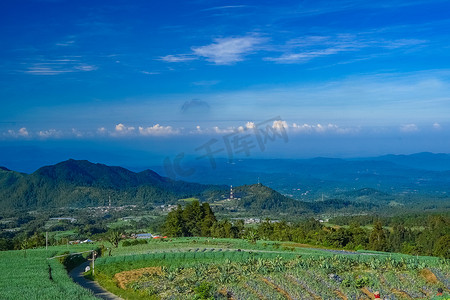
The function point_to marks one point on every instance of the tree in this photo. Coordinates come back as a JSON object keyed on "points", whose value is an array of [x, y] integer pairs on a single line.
{"points": [[359, 237], [193, 215], [442, 247], [265, 230], [193, 220], [36, 240], [240, 227], [252, 236], [397, 238], [377, 239], [114, 237], [174, 224], [208, 220]]}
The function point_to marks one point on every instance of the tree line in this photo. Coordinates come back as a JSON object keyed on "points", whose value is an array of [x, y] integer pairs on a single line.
{"points": [[433, 238], [199, 220]]}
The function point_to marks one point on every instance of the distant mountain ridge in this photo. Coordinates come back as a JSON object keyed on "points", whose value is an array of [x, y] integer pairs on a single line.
{"points": [[300, 185], [80, 183], [308, 179], [87, 173], [424, 160]]}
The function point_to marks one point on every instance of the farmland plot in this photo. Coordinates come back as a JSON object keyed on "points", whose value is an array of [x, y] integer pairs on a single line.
{"points": [[265, 275]]}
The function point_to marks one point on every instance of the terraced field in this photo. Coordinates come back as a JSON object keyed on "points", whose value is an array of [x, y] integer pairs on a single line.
{"points": [[267, 273], [31, 275], [201, 268]]}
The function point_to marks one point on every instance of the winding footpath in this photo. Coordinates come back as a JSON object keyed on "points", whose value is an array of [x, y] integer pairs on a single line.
{"points": [[97, 290]]}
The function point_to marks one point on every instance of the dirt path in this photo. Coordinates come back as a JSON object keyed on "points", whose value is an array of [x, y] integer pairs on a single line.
{"points": [[278, 288], [99, 292]]}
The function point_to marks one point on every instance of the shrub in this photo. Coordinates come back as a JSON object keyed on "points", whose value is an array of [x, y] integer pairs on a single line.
{"points": [[204, 291], [71, 261], [362, 282], [128, 243]]}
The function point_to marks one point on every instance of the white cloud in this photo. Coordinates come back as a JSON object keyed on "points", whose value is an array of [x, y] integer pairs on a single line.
{"points": [[409, 128], [102, 130], [437, 126], [22, 132], [223, 51], [85, 68], [206, 82], [51, 133], [250, 125], [150, 73], [66, 43], [123, 130], [279, 124], [177, 58], [77, 133], [227, 51], [319, 128], [230, 50], [158, 130], [59, 66], [218, 130], [304, 49]]}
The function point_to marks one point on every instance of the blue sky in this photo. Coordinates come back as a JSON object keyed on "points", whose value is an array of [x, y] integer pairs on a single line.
{"points": [[130, 82]]}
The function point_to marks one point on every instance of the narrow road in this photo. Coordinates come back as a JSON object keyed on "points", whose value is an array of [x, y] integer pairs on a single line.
{"points": [[99, 292]]}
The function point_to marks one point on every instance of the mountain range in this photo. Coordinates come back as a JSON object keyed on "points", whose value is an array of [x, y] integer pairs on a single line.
{"points": [[80, 184], [288, 186], [311, 179]]}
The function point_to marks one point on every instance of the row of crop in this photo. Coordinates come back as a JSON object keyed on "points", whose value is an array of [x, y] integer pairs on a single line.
{"points": [[251, 277], [186, 243], [31, 275], [339, 262], [128, 262]]}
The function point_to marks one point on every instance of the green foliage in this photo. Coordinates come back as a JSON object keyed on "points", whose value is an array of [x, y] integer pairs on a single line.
{"points": [[212, 274], [362, 282], [199, 220], [79, 183], [204, 291], [258, 198], [114, 237], [135, 242], [378, 240], [252, 236], [70, 261], [433, 239], [28, 278], [442, 247]]}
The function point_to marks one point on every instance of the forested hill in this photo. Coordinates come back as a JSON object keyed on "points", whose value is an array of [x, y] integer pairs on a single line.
{"points": [[80, 183], [258, 197]]}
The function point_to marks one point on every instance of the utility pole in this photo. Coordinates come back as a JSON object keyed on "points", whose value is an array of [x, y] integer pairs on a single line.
{"points": [[93, 263]]}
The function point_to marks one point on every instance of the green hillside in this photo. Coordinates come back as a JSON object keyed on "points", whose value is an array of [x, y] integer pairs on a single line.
{"points": [[78, 183]]}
